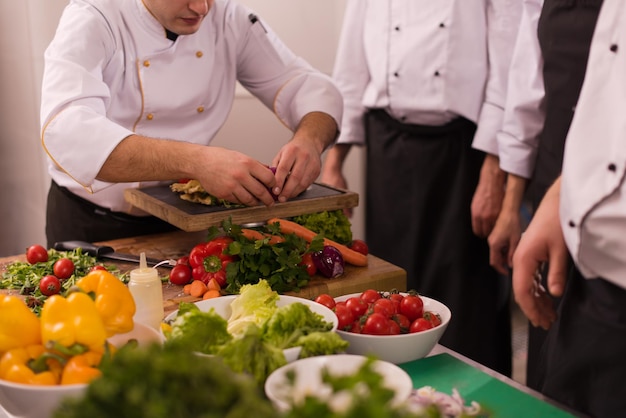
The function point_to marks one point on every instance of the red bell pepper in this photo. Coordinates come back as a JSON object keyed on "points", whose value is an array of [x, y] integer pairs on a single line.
{"points": [[208, 260]]}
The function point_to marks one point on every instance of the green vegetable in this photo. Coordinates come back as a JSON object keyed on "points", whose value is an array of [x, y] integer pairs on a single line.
{"points": [[167, 382], [198, 331], [250, 354], [321, 343], [254, 305], [290, 322], [334, 225]]}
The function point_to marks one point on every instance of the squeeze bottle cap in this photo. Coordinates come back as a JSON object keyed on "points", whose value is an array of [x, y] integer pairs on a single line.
{"points": [[143, 273]]}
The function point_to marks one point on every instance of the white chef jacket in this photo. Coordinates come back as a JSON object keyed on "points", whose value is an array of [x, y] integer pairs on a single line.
{"points": [[110, 71], [524, 114], [426, 62], [593, 192]]}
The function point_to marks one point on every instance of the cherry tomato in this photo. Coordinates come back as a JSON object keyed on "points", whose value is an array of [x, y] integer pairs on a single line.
{"points": [[97, 267], [180, 275], [376, 324], [403, 322], [420, 324], [63, 268], [433, 318], [49, 285], [36, 254], [184, 260], [384, 306], [344, 317], [359, 246], [412, 307], [309, 265], [394, 328], [370, 295], [326, 300], [356, 327], [358, 306]]}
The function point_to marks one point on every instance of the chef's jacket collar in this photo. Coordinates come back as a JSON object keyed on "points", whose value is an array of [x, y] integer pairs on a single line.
{"points": [[151, 24]]}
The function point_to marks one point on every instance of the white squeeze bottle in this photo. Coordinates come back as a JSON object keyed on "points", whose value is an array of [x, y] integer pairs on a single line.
{"points": [[145, 286]]}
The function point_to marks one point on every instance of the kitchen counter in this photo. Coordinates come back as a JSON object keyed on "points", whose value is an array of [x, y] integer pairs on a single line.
{"points": [[379, 274]]}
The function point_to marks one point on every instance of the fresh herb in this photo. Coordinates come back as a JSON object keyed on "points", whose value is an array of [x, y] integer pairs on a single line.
{"points": [[278, 263], [334, 225]]}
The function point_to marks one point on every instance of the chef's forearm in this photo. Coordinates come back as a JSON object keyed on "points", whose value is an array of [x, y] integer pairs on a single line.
{"points": [[139, 158], [320, 128]]}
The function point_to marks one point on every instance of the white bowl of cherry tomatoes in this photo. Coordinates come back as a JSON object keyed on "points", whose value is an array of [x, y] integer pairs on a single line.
{"points": [[396, 327]]}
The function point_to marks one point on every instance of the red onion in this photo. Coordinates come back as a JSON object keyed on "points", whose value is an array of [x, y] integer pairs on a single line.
{"points": [[329, 261]]}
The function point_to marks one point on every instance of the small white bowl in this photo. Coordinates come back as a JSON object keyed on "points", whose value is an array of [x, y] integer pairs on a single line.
{"points": [[38, 401], [400, 348], [222, 308], [309, 378]]}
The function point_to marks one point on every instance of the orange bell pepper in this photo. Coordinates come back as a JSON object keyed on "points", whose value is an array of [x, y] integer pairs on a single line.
{"points": [[82, 368], [31, 365]]}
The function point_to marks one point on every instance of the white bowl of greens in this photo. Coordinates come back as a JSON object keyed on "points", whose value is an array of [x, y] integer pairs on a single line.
{"points": [[256, 331]]}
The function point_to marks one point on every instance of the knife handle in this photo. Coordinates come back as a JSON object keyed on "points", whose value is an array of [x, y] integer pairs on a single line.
{"points": [[87, 247]]}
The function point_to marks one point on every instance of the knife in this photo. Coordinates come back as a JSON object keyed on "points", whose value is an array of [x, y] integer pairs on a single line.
{"points": [[104, 251]]}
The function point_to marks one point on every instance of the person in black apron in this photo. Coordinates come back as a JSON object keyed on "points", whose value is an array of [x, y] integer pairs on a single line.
{"points": [[449, 262], [564, 31]]}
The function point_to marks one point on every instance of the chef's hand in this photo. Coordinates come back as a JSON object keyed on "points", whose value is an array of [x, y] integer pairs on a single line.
{"points": [[233, 176], [503, 240], [488, 196], [299, 162], [542, 242]]}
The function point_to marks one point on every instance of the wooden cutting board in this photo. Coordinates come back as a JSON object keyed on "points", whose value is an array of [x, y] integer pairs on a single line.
{"points": [[165, 204]]}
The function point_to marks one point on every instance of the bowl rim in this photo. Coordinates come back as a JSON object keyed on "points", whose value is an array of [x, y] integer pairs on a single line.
{"points": [[444, 322]]}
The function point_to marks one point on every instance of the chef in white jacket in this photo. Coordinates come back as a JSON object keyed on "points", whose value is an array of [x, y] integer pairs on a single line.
{"points": [[134, 91]]}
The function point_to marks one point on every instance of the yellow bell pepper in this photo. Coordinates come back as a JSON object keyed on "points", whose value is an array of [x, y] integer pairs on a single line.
{"points": [[72, 325], [82, 368], [31, 365], [113, 300], [19, 326]]}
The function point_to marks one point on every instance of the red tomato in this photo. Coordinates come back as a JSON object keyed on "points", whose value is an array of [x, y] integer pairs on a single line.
{"points": [[394, 328], [344, 317], [63, 268], [359, 246], [309, 265], [180, 275], [412, 307], [49, 285], [420, 324], [384, 306], [403, 322], [97, 267], [376, 324], [358, 306], [433, 318], [326, 300], [356, 327], [370, 295], [36, 254], [184, 260]]}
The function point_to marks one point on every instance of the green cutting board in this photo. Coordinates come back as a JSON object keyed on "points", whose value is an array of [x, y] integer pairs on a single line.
{"points": [[444, 372]]}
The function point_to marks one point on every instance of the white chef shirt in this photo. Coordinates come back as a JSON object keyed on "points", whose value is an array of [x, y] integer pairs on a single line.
{"points": [[593, 192], [426, 62], [523, 115], [110, 72]]}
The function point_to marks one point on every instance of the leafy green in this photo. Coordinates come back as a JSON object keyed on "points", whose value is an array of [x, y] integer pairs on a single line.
{"points": [[321, 343], [278, 263], [250, 354], [168, 382], [334, 225], [254, 305], [290, 322], [199, 331]]}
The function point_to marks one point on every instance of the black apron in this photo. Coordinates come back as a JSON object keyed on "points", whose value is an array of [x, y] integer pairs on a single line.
{"points": [[69, 217], [420, 183], [564, 32]]}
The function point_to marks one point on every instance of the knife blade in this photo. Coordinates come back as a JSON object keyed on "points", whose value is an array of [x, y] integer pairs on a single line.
{"points": [[106, 252]]}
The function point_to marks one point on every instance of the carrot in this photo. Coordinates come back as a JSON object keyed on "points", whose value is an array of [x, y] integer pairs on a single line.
{"points": [[252, 234], [197, 288], [213, 285], [210, 294], [289, 227], [187, 289]]}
